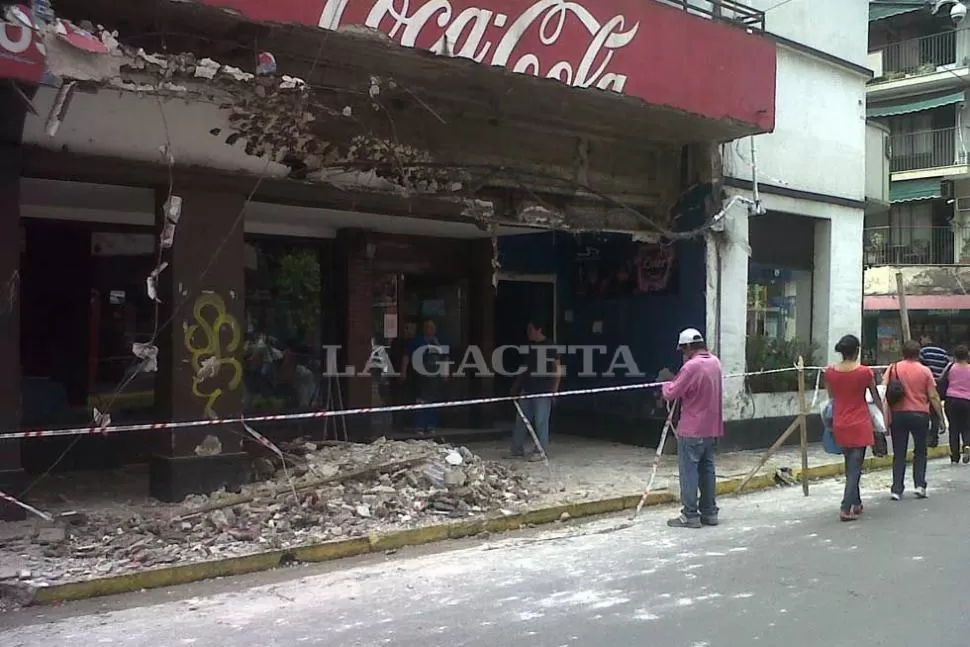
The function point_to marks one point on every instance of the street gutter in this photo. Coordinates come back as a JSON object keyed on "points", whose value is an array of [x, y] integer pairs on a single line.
{"points": [[379, 542]]}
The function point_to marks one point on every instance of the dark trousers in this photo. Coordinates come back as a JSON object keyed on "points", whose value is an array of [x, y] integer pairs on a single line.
{"points": [[855, 458], [958, 411], [695, 459], [904, 425], [933, 435]]}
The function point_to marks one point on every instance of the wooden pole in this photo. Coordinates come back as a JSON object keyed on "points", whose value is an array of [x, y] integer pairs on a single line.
{"points": [[903, 311], [802, 423], [768, 454]]}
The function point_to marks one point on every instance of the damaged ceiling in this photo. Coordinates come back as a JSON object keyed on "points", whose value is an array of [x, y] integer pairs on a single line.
{"points": [[425, 126]]}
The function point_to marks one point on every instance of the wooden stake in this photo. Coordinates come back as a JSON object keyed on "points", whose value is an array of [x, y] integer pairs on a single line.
{"points": [[903, 311], [803, 423], [768, 454]]}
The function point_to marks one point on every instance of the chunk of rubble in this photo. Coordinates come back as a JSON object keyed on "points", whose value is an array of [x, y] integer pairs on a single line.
{"points": [[343, 490]]}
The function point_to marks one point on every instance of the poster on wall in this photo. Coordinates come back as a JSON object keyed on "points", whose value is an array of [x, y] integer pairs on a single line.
{"points": [[620, 269]]}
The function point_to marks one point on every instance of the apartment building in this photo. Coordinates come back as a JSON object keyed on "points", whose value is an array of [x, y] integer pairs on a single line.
{"points": [[920, 54]]}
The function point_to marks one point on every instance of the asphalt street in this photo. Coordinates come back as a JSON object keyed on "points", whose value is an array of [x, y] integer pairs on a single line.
{"points": [[780, 570]]}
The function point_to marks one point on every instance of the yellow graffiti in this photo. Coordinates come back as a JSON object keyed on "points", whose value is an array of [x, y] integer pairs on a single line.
{"points": [[212, 348]]}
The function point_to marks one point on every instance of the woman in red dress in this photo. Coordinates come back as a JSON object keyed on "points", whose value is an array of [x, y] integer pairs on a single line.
{"points": [[847, 383]]}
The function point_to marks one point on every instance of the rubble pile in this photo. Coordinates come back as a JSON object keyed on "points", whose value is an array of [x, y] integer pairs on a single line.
{"points": [[341, 490]]}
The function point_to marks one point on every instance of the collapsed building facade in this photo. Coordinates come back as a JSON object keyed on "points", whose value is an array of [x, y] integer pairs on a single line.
{"points": [[198, 197]]}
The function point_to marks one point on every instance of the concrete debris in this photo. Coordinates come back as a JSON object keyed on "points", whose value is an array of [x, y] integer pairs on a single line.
{"points": [[342, 490], [210, 446]]}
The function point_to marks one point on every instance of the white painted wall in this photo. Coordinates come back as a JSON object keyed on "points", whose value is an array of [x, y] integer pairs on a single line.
{"points": [[819, 141], [818, 146]]}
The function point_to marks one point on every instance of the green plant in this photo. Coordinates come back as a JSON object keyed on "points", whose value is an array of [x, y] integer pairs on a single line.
{"points": [[297, 282], [766, 353]]}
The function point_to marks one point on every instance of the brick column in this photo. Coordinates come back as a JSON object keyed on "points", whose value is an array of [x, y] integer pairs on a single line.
{"points": [[12, 113], [355, 298], [482, 325], [209, 322]]}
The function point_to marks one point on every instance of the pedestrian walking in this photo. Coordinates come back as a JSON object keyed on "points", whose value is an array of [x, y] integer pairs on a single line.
{"points": [[542, 374], [847, 383], [698, 387], [910, 392], [954, 386], [936, 359]]}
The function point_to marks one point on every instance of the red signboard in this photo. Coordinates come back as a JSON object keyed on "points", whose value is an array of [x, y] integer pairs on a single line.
{"points": [[21, 52], [640, 48]]}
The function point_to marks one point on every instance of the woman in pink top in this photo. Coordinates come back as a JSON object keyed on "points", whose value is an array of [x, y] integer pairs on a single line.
{"points": [[957, 379], [910, 416]]}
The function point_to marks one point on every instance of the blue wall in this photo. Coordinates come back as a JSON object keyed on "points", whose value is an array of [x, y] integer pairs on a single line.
{"points": [[647, 323]]}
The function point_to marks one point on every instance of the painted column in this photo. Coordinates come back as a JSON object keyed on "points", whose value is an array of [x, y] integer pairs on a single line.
{"points": [[482, 323], [727, 302], [837, 289], [203, 292], [12, 113], [355, 298]]}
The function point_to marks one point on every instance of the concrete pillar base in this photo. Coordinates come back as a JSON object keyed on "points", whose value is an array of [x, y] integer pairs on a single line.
{"points": [[172, 478], [12, 482]]}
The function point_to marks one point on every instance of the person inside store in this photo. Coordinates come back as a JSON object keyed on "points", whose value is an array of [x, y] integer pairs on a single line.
{"points": [[425, 364], [404, 390]]}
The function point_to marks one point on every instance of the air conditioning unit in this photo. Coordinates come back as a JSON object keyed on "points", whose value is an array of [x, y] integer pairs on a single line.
{"points": [[946, 189], [874, 62], [963, 204]]}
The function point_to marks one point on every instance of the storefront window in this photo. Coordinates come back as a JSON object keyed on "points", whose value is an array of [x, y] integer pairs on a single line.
{"points": [[779, 303], [282, 360]]}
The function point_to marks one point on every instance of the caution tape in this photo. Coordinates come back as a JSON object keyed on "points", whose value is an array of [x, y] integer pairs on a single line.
{"points": [[99, 429]]}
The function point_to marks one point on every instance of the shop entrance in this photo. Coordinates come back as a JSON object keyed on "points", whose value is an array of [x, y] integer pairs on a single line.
{"points": [[519, 298], [402, 305]]}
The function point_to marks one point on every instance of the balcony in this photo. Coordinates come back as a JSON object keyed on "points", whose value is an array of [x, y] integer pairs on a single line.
{"points": [[926, 149], [930, 62], [727, 11], [916, 246]]}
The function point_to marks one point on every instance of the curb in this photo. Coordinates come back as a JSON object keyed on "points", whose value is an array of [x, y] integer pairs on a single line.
{"points": [[337, 549]]}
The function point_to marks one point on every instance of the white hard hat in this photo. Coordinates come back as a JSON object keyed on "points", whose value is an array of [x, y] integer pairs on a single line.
{"points": [[690, 336]]}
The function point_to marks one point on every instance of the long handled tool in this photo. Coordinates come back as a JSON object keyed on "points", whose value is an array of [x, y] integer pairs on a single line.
{"points": [[668, 425], [532, 431]]}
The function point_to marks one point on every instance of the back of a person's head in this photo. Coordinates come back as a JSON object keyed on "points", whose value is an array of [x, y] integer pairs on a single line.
{"points": [[911, 349], [848, 347], [961, 352]]}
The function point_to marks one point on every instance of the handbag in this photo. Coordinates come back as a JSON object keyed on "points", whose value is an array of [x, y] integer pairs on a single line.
{"points": [[895, 391], [829, 443]]}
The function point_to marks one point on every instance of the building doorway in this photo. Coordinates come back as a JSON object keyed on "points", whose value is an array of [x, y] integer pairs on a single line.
{"points": [[519, 298]]}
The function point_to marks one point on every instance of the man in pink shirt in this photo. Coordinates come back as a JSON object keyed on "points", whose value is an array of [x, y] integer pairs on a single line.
{"points": [[698, 387]]}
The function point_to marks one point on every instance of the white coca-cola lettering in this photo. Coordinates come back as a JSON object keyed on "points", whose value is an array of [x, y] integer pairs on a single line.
{"points": [[464, 35], [14, 39]]}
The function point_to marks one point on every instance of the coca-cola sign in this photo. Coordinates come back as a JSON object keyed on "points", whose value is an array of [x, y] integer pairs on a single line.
{"points": [[550, 38], [21, 49], [641, 48]]}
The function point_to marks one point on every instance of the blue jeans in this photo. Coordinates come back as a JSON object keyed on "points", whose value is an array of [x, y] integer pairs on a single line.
{"points": [[855, 457], [537, 410], [695, 459], [427, 419]]}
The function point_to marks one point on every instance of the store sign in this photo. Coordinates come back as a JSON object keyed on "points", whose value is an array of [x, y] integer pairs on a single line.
{"points": [[640, 48], [22, 56]]}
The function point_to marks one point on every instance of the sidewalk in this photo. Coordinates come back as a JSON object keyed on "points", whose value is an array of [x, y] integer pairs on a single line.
{"points": [[115, 539]]}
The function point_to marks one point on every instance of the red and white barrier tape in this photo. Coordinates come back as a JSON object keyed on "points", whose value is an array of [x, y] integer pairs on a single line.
{"points": [[313, 415], [29, 508]]}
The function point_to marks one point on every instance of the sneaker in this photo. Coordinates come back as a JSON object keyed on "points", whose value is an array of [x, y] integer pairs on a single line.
{"points": [[709, 521], [535, 457], [857, 510], [847, 516], [684, 522], [896, 496], [921, 492], [966, 454]]}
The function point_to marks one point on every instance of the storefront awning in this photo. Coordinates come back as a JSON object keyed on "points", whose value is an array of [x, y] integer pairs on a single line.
{"points": [[912, 190], [883, 10], [919, 302], [916, 105]]}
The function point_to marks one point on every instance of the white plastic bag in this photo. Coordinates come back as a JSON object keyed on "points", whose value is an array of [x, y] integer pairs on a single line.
{"points": [[877, 419]]}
